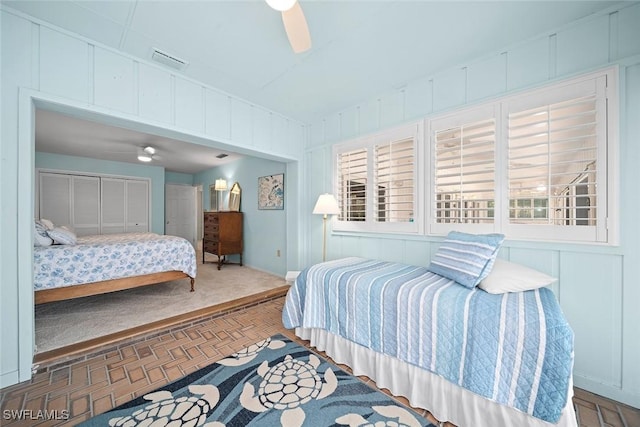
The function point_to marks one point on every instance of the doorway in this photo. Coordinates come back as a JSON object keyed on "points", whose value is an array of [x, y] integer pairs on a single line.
{"points": [[180, 212]]}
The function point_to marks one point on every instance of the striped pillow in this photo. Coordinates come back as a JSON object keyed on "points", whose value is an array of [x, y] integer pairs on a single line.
{"points": [[466, 258]]}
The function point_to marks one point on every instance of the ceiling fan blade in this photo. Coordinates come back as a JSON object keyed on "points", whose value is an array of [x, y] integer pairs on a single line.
{"points": [[295, 24]]}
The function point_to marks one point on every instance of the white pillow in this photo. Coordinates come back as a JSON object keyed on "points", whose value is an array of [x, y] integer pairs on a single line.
{"points": [[48, 224], [62, 236], [510, 277]]}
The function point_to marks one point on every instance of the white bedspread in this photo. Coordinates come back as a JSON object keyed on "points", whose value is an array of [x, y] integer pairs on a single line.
{"points": [[111, 256]]}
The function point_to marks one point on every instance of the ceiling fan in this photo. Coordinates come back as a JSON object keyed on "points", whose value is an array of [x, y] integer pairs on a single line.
{"points": [[146, 153], [294, 22]]}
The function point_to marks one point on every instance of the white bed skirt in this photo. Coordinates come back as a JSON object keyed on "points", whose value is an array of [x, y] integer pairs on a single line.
{"points": [[446, 401]]}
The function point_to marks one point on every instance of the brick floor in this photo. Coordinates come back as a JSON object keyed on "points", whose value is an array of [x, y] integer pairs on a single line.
{"points": [[74, 390]]}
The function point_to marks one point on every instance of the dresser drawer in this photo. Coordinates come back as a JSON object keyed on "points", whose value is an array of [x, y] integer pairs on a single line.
{"points": [[210, 246], [211, 228]]}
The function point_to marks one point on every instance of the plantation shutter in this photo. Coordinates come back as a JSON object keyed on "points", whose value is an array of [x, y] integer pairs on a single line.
{"points": [[552, 151], [352, 185], [464, 169], [394, 181]]}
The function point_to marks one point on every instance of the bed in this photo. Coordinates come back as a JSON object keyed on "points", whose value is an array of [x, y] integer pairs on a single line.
{"points": [[469, 357], [105, 263]]}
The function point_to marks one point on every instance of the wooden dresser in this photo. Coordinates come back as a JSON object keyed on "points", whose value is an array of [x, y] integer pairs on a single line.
{"points": [[222, 235]]}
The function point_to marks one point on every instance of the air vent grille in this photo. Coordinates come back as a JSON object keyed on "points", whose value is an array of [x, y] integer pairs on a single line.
{"points": [[169, 60]]}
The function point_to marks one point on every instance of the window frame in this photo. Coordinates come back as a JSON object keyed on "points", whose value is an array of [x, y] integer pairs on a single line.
{"points": [[607, 178], [413, 130], [606, 230]]}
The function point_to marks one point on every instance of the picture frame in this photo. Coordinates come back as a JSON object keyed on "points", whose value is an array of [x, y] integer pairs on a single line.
{"points": [[271, 192]]}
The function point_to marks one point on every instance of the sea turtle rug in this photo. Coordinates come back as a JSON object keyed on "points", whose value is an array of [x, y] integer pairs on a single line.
{"points": [[271, 383]]}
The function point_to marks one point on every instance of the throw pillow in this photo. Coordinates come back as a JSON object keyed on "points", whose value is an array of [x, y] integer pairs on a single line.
{"points": [[61, 236], [40, 236], [466, 258]]}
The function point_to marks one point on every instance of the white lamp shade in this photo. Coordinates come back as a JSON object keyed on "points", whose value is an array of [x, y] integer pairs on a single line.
{"points": [[326, 205], [221, 185]]}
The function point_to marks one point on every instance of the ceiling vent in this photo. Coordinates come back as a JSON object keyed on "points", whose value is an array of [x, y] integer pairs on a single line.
{"points": [[169, 60]]}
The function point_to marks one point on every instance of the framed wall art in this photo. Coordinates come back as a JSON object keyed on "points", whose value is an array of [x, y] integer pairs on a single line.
{"points": [[271, 192]]}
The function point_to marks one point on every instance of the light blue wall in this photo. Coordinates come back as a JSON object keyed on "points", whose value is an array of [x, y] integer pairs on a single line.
{"points": [[598, 286], [178, 178], [45, 67], [59, 162], [265, 231]]}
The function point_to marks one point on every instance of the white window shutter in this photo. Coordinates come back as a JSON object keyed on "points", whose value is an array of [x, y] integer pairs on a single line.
{"points": [[394, 178], [352, 185], [465, 173]]}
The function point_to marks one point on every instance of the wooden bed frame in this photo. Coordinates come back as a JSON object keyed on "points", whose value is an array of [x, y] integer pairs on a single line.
{"points": [[69, 292]]}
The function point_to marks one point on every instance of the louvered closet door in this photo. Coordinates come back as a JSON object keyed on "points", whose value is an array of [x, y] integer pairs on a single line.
{"points": [[85, 205], [55, 198], [113, 205], [137, 206]]}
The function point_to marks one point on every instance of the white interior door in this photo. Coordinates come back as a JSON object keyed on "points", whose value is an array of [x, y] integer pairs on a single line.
{"points": [[180, 211]]}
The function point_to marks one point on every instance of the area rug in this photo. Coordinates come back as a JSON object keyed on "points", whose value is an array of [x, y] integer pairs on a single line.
{"points": [[271, 383]]}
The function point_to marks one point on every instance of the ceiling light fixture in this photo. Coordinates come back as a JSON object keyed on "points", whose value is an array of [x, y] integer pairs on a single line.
{"points": [[146, 154], [281, 5]]}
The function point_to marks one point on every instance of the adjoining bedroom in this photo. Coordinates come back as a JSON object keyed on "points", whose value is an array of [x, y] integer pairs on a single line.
{"points": [[103, 215], [319, 213]]}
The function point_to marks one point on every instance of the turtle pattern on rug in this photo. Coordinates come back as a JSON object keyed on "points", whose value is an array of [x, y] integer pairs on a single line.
{"points": [[271, 383]]}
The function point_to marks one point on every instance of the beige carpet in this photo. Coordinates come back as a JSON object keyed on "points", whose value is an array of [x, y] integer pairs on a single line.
{"points": [[62, 323]]}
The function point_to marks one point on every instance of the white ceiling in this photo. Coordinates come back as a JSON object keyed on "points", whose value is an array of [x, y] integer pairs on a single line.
{"points": [[62, 134], [360, 48]]}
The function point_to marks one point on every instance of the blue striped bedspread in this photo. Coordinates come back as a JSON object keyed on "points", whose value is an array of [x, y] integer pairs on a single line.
{"points": [[110, 256], [515, 349]]}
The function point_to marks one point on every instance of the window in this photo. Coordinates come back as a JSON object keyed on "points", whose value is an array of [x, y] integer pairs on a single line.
{"points": [[556, 172], [465, 172], [531, 166], [394, 181], [352, 185], [376, 182], [463, 161]]}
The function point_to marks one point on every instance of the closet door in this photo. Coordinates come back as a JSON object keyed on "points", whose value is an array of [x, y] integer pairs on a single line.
{"points": [[55, 198], [137, 206], [85, 205], [113, 192]]}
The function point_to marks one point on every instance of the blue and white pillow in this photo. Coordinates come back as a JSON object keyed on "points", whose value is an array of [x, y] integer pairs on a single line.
{"points": [[466, 258], [40, 236]]}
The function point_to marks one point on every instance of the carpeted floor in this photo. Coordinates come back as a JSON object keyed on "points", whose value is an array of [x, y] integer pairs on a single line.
{"points": [[62, 323]]}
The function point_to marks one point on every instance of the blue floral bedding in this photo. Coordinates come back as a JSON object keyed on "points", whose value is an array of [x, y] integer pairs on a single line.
{"points": [[515, 349], [110, 256]]}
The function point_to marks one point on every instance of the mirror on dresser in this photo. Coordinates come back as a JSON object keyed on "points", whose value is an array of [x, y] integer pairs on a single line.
{"points": [[234, 197]]}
